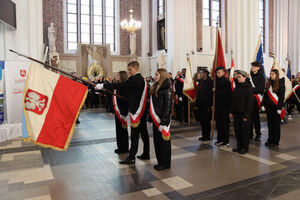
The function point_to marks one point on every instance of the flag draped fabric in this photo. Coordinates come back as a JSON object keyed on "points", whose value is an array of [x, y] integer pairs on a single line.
{"points": [[219, 60], [258, 55], [51, 106], [188, 85], [288, 84], [231, 74]]}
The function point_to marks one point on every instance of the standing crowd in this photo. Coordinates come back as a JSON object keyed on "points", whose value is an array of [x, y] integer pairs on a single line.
{"points": [[160, 98]]}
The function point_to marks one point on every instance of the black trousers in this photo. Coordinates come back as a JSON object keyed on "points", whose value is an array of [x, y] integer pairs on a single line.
{"points": [[291, 105], [205, 120], [121, 135], [255, 121], [162, 148], [178, 108], [185, 102], [134, 137], [222, 125], [273, 120], [241, 130]]}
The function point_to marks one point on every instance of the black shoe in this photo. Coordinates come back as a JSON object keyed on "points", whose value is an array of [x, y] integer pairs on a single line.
{"points": [[225, 144], [118, 151], [235, 150], [257, 138], [158, 167], [204, 139], [267, 144], [127, 161], [242, 151], [273, 145], [144, 157], [218, 143]]}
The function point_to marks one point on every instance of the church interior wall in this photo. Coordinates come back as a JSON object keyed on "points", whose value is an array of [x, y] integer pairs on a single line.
{"points": [[27, 38]]}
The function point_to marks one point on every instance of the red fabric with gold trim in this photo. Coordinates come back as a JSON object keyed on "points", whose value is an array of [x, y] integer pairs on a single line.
{"points": [[135, 118]]}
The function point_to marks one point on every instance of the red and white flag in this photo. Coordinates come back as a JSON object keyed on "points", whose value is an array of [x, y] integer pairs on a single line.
{"points": [[188, 87], [51, 106], [232, 68]]}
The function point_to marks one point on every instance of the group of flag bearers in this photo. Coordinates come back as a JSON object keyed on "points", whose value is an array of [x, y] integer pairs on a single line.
{"points": [[217, 98]]}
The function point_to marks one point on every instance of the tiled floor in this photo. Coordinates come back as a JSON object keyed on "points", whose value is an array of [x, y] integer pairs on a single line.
{"points": [[90, 169]]}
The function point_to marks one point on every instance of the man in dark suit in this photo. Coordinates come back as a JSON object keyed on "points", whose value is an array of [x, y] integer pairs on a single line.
{"points": [[137, 97]]}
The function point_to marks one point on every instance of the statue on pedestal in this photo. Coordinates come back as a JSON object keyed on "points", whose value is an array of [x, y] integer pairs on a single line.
{"points": [[132, 43], [53, 55], [161, 60], [52, 37]]}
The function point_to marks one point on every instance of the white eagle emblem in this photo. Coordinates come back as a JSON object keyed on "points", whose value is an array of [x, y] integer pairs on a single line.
{"points": [[35, 102]]}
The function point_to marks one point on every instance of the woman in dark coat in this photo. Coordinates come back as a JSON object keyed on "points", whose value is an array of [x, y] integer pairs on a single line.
{"points": [[241, 111], [121, 111], [160, 110], [273, 102]]}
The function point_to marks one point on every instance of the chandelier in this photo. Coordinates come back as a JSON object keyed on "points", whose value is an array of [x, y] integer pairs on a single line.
{"points": [[132, 25]]}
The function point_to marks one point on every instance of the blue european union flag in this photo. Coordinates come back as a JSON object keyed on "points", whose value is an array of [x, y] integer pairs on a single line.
{"points": [[260, 57], [289, 72]]}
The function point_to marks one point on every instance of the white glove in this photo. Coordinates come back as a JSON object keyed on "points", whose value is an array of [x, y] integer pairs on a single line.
{"points": [[278, 112], [263, 109], [180, 98], [99, 86]]}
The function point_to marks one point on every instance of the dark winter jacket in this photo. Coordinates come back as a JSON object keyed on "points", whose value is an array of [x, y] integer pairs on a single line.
{"points": [[242, 100], [178, 87], [163, 102], [223, 93], [134, 87], [259, 81], [267, 102], [204, 93]]}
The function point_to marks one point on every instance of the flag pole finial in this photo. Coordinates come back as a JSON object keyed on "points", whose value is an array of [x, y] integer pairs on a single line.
{"points": [[272, 55]]}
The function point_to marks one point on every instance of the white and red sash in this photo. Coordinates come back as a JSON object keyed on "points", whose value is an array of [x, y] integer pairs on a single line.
{"points": [[174, 92], [181, 80], [165, 130], [121, 117], [259, 98], [274, 98], [296, 88], [135, 118], [232, 83]]}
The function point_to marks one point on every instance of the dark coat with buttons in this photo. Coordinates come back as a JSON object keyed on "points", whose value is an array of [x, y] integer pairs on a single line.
{"points": [[242, 100]]}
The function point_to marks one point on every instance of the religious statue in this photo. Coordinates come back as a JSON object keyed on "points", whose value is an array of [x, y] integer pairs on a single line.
{"points": [[52, 37], [53, 55], [132, 43], [161, 60], [162, 32]]}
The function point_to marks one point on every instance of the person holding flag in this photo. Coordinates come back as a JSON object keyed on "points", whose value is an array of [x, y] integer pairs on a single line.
{"points": [[137, 98], [273, 103], [121, 112], [222, 95], [160, 111], [203, 102], [258, 83], [178, 87]]}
